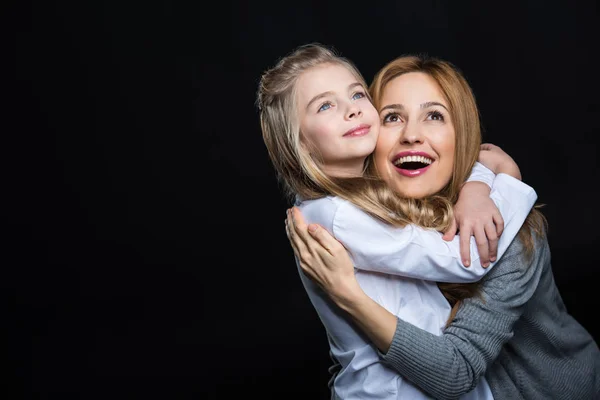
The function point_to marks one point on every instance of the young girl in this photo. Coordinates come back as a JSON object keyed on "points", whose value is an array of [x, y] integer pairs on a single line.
{"points": [[517, 331], [320, 129]]}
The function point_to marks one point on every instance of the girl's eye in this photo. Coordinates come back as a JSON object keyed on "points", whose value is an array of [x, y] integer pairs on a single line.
{"points": [[391, 117], [324, 106], [358, 95], [435, 116]]}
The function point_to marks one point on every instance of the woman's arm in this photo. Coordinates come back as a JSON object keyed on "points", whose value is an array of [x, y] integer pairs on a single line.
{"points": [[450, 365], [326, 262], [445, 366]]}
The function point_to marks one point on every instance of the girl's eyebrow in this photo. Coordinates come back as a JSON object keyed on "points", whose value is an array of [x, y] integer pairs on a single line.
{"points": [[328, 93]]}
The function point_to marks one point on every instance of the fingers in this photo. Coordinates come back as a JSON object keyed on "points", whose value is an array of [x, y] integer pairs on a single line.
{"points": [[490, 232], [297, 222], [488, 146], [499, 222], [325, 239], [465, 247], [309, 244], [482, 242], [451, 231], [297, 243]]}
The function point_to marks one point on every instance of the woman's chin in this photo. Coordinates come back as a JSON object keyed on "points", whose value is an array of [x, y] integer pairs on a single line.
{"points": [[415, 191]]}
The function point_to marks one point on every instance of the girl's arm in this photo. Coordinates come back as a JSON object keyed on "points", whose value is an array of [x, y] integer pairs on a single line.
{"points": [[475, 212], [477, 215], [421, 253]]}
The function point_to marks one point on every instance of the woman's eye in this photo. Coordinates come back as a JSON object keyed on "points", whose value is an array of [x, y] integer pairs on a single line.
{"points": [[358, 95], [325, 106], [435, 116], [391, 118]]}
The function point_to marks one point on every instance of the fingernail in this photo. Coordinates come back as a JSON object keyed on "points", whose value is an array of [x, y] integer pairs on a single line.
{"points": [[492, 259], [467, 263], [486, 264], [312, 228]]}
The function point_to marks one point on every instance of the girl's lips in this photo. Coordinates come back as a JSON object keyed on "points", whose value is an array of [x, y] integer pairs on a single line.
{"points": [[411, 173], [358, 131]]}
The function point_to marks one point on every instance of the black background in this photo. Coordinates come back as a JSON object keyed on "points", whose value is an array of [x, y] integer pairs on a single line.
{"points": [[144, 251]]}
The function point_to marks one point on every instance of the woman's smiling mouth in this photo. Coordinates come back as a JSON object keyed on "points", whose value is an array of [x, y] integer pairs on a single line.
{"points": [[412, 163]]}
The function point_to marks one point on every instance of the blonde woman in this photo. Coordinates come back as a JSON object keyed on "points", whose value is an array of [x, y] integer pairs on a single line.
{"points": [[512, 333]]}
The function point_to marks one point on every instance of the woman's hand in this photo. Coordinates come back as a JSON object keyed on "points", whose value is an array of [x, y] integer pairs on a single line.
{"points": [[322, 258], [326, 261], [476, 214], [496, 159]]}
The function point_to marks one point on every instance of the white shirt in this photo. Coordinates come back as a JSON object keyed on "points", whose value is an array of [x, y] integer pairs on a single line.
{"points": [[398, 268]]}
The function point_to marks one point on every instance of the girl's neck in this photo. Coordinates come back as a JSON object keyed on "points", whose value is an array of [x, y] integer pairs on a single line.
{"points": [[348, 169]]}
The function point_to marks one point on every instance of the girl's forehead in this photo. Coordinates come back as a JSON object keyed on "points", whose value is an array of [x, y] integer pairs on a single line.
{"points": [[326, 77]]}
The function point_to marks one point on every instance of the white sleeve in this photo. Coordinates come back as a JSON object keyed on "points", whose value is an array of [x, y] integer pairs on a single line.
{"points": [[422, 253], [481, 173]]}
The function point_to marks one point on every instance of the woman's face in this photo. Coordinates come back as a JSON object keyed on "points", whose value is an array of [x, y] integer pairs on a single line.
{"points": [[338, 122], [415, 148]]}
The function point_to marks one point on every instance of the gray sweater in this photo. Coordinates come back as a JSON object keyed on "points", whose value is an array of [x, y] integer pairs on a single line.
{"points": [[519, 334]]}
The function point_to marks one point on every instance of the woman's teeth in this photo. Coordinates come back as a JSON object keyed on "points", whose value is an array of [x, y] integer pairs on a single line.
{"points": [[412, 162]]}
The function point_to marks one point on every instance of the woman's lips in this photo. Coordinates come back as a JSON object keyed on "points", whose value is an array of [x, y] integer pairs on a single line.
{"points": [[411, 173]]}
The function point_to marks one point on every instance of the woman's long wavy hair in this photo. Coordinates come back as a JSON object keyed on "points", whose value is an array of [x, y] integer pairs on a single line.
{"points": [[466, 120]]}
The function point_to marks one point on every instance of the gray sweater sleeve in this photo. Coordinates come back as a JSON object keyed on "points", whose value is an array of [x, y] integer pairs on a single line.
{"points": [[450, 365]]}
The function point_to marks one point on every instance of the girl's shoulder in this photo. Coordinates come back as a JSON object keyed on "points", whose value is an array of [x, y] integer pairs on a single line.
{"points": [[327, 204], [326, 207], [328, 211]]}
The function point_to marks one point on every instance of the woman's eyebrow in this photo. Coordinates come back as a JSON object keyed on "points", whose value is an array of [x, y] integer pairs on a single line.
{"points": [[433, 103], [423, 105], [393, 106]]}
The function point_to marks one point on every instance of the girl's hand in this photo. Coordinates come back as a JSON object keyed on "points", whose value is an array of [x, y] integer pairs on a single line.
{"points": [[476, 214], [322, 258], [498, 161]]}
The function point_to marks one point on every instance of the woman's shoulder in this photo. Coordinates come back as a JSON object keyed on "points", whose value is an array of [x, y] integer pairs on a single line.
{"points": [[520, 268]]}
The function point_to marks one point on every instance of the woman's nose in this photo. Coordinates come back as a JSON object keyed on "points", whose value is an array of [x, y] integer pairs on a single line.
{"points": [[411, 135]]}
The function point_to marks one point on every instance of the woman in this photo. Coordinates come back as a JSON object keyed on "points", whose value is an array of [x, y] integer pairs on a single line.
{"points": [[320, 129], [514, 332]]}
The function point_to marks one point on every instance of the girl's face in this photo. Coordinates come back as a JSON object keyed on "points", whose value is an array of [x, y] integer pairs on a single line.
{"points": [[338, 123], [415, 149]]}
